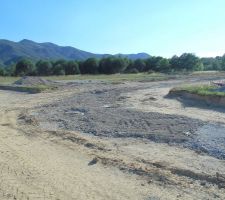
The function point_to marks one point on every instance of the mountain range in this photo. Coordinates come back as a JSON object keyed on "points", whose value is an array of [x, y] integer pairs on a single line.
{"points": [[11, 52]]}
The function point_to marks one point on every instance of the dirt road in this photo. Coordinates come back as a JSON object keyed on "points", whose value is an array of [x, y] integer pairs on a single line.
{"points": [[44, 154]]}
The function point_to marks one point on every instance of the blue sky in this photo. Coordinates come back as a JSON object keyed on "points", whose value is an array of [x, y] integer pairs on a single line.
{"points": [[158, 27]]}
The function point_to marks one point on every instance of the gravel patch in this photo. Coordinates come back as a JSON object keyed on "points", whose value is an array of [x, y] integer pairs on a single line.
{"points": [[100, 112], [209, 139]]}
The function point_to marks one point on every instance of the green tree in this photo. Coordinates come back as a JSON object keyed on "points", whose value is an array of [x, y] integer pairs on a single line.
{"points": [[189, 61], [186, 61], [90, 66], [58, 70], [105, 65], [58, 67], [72, 67], [175, 63], [223, 63], [164, 65], [211, 63], [44, 68], [2, 71], [140, 65], [112, 65], [10, 70], [24, 67], [153, 63]]}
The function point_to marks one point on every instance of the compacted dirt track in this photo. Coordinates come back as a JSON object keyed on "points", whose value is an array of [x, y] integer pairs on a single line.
{"points": [[93, 141]]}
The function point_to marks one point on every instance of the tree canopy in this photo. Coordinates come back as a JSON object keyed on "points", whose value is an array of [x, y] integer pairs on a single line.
{"points": [[24, 67], [114, 64], [43, 68]]}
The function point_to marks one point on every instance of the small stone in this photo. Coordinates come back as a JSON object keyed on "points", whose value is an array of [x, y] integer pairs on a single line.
{"points": [[93, 162]]}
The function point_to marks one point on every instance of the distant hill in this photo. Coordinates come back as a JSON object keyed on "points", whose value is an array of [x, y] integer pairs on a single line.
{"points": [[135, 56], [11, 52]]}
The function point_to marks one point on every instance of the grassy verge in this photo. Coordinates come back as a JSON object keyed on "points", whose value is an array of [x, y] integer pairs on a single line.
{"points": [[120, 77], [38, 88], [206, 73], [112, 78], [203, 90], [8, 80]]}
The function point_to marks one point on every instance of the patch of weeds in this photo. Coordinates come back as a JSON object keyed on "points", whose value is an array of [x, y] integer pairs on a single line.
{"points": [[203, 90]]}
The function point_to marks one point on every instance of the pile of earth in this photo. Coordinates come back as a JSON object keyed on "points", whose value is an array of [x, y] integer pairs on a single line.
{"points": [[32, 81]]}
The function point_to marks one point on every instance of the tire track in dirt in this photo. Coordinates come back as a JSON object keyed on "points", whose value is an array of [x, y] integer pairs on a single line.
{"points": [[32, 168]]}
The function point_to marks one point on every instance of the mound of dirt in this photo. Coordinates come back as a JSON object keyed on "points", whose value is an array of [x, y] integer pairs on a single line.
{"points": [[32, 81], [212, 100]]}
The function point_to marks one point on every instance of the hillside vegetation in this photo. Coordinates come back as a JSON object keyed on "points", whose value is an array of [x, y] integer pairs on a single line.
{"points": [[46, 59], [11, 52]]}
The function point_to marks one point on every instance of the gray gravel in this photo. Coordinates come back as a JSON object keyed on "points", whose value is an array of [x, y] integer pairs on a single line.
{"points": [[99, 111], [209, 139]]}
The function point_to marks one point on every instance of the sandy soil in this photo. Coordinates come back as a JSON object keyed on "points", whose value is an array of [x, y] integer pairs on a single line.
{"points": [[46, 155], [153, 100]]}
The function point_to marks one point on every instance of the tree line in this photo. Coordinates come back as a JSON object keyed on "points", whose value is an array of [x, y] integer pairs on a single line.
{"points": [[111, 65]]}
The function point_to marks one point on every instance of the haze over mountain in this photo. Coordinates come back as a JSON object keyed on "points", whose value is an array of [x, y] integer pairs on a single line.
{"points": [[11, 52]]}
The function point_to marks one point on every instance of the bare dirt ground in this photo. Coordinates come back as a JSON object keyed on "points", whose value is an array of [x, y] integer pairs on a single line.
{"points": [[92, 140]]}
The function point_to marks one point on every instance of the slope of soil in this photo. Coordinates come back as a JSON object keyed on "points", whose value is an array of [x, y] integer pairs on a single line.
{"points": [[207, 99]]}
